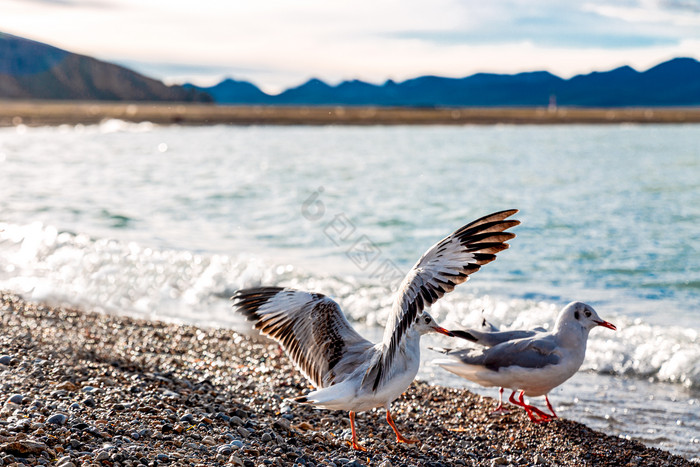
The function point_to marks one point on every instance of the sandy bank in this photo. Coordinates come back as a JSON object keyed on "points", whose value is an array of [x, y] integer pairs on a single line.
{"points": [[57, 112]]}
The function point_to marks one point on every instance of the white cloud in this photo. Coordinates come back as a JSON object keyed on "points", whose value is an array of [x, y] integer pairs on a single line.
{"points": [[277, 43], [650, 12]]}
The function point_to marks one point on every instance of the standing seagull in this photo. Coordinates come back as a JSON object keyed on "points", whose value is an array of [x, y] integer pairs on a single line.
{"points": [[348, 371], [534, 365], [488, 336]]}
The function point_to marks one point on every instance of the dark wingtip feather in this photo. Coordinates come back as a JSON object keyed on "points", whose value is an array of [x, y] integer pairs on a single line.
{"points": [[464, 335], [485, 227], [505, 213], [300, 399], [378, 378], [494, 217], [248, 301]]}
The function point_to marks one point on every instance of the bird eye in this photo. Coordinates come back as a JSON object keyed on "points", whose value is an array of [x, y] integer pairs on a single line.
{"points": [[427, 319], [576, 315], [588, 314]]}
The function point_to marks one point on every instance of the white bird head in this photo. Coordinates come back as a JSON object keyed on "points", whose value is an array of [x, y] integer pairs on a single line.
{"points": [[425, 323], [578, 315]]}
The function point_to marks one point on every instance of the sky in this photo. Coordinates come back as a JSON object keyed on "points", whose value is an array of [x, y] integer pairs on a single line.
{"points": [[277, 44]]}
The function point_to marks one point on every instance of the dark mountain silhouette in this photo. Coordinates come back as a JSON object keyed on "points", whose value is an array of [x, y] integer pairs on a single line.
{"points": [[673, 83], [32, 70], [230, 90]]}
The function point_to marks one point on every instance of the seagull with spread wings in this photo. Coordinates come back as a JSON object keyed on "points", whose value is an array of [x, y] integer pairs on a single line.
{"points": [[348, 371]]}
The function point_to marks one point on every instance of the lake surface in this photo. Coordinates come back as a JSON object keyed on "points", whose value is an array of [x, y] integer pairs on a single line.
{"points": [[165, 222]]}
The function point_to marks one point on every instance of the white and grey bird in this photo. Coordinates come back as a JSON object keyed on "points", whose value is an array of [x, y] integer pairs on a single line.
{"points": [[489, 335], [349, 372], [531, 361]]}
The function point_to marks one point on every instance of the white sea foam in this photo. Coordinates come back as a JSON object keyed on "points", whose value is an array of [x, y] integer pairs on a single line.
{"points": [[125, 277]]}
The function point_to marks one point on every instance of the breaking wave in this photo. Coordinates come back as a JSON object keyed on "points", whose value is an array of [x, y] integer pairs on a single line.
{"points": [[45, 264]]}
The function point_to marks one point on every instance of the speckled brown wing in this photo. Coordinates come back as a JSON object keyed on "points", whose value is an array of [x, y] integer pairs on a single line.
{"points": [[445, 265], [310, 327]]}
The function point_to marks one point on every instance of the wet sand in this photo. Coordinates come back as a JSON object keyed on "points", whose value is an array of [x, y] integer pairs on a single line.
{"points": [[36, 113], [84, 388]]}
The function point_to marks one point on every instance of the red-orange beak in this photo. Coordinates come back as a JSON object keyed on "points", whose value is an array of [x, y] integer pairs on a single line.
{"points": [[605, 324], [442, 331]]}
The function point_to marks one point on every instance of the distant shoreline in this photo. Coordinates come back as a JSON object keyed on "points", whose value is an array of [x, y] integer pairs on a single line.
{"points": [[40, 113]]}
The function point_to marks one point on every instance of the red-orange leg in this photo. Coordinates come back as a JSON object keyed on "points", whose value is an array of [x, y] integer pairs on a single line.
{"points": [[549, 406], [354, 435], [500, 408], [399, 437], [535, 414]]}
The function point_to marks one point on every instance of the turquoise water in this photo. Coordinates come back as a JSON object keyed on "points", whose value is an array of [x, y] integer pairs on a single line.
{"points": [[165, 222]]}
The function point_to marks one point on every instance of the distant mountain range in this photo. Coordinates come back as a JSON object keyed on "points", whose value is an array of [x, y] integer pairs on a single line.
{"points": [[32, 70], [673, 83]]}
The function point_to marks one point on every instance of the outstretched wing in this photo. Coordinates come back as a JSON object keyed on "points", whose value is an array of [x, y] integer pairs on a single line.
{"points": [[445, 265], [310, 327]]}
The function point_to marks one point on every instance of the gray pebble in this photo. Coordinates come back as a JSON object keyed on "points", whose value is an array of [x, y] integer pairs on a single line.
{"points": [[243, 432], [266, 438], [102, 456], [188, 417], [225, 449], [5, 359], [57, 419], [16, 398], [237, 442], [282, 423], [162, 457], [236, 420]]}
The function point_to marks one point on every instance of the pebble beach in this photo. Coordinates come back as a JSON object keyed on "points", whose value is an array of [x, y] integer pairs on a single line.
{"points": [[81, 388]]}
